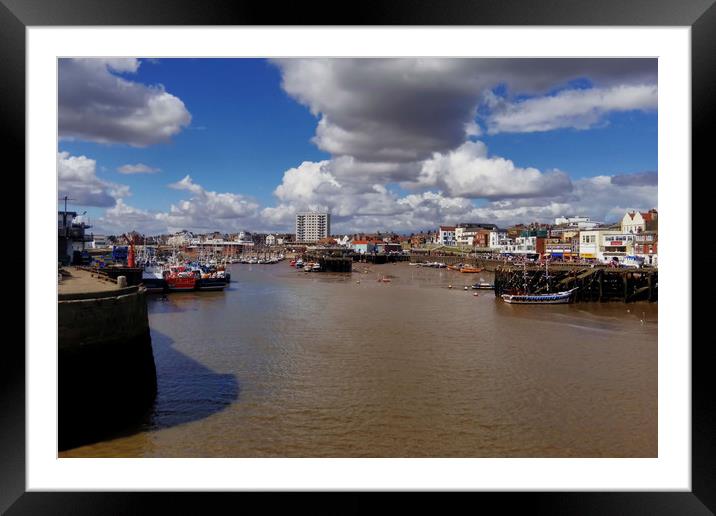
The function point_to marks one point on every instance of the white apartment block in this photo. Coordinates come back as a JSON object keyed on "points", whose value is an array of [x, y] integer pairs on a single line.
{"points": [[465, 236], [498, 239], [312, 226], [520, 245], [446, 235]]}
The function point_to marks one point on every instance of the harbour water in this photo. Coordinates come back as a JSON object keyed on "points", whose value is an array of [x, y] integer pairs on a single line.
{"points": [[291, 364]]}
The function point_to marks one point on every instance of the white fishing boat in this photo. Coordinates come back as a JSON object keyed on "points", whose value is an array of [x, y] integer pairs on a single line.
{"points": [[153, 278]]}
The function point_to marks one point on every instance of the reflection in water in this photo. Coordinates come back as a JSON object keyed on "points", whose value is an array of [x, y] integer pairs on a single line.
{"points": [[335, 365]]}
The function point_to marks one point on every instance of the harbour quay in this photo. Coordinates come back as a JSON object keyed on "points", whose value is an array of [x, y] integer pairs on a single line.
{"points": [[106, 373], [341, 260]]}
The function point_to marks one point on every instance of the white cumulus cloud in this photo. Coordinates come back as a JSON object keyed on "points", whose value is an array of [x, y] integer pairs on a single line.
{"points": [[468, 171], [208, 209], [98, 104], [578, 109], [138, 168], [77, 179]]}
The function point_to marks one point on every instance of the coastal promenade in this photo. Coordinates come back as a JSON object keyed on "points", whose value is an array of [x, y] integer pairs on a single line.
{"points": [[79, 281]]}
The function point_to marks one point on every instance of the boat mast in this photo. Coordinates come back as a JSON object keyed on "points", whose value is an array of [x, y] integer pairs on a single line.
{"points": [[546, 271]]}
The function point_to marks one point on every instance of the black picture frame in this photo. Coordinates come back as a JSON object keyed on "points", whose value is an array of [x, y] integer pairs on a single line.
{"points": [[700, 15]]}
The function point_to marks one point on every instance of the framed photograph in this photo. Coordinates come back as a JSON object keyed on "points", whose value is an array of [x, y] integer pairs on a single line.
{"points": [[301, 253]]}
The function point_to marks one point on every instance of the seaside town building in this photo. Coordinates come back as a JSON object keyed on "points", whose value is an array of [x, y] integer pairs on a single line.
{"points": [[636, 222], [646, 247], [557, 249], [589, 242], [498, 239], [615, 246], [419, 239], [446, 236], [312, 226], [363, 246], [530, 242], [473, 234]]}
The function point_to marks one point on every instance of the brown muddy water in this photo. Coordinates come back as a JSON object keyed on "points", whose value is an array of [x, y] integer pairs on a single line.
{"points": [[292, 364]]}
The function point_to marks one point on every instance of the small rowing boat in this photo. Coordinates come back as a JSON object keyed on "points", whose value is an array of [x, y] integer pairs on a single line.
{"points": [[470, 269]]}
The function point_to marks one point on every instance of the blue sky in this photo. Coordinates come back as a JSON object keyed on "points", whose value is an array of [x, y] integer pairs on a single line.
{"points": [[245, 131], [382, 145], [627, 144]]}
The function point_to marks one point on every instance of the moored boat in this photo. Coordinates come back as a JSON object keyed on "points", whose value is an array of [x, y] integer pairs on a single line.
{"points": [[180, 279], [153, 279], [208, 282], [483, 285], [470, 269], [539, 299]]}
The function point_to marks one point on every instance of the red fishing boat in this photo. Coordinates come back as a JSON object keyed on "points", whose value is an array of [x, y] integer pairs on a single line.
{"points": [[180, 279]]}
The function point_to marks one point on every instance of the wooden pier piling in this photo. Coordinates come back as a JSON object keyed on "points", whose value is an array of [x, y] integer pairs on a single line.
{"points": [[597, 284]]}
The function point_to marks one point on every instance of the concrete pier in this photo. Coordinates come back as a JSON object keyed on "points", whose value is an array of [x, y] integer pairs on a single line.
{"points": [[106, 372]]}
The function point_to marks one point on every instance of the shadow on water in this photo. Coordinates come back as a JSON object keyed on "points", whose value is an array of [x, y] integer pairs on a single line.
{"points": [[186, 389]]}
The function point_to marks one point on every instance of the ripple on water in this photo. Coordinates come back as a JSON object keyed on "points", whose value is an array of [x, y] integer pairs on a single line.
{"points": [[289, 364]]}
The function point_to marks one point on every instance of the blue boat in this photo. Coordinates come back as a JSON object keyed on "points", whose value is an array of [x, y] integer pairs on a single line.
{"points": [[539, 299]]}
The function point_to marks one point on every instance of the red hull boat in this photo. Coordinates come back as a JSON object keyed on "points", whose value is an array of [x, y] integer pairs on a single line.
{"points": [[180, 279]]}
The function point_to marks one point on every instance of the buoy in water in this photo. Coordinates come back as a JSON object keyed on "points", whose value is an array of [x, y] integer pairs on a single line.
{"points": [[475, 294], [465, 288], [449, 286]]}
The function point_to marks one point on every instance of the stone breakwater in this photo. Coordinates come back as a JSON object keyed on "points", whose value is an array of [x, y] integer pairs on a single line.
{"points": [[106, 372]]}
